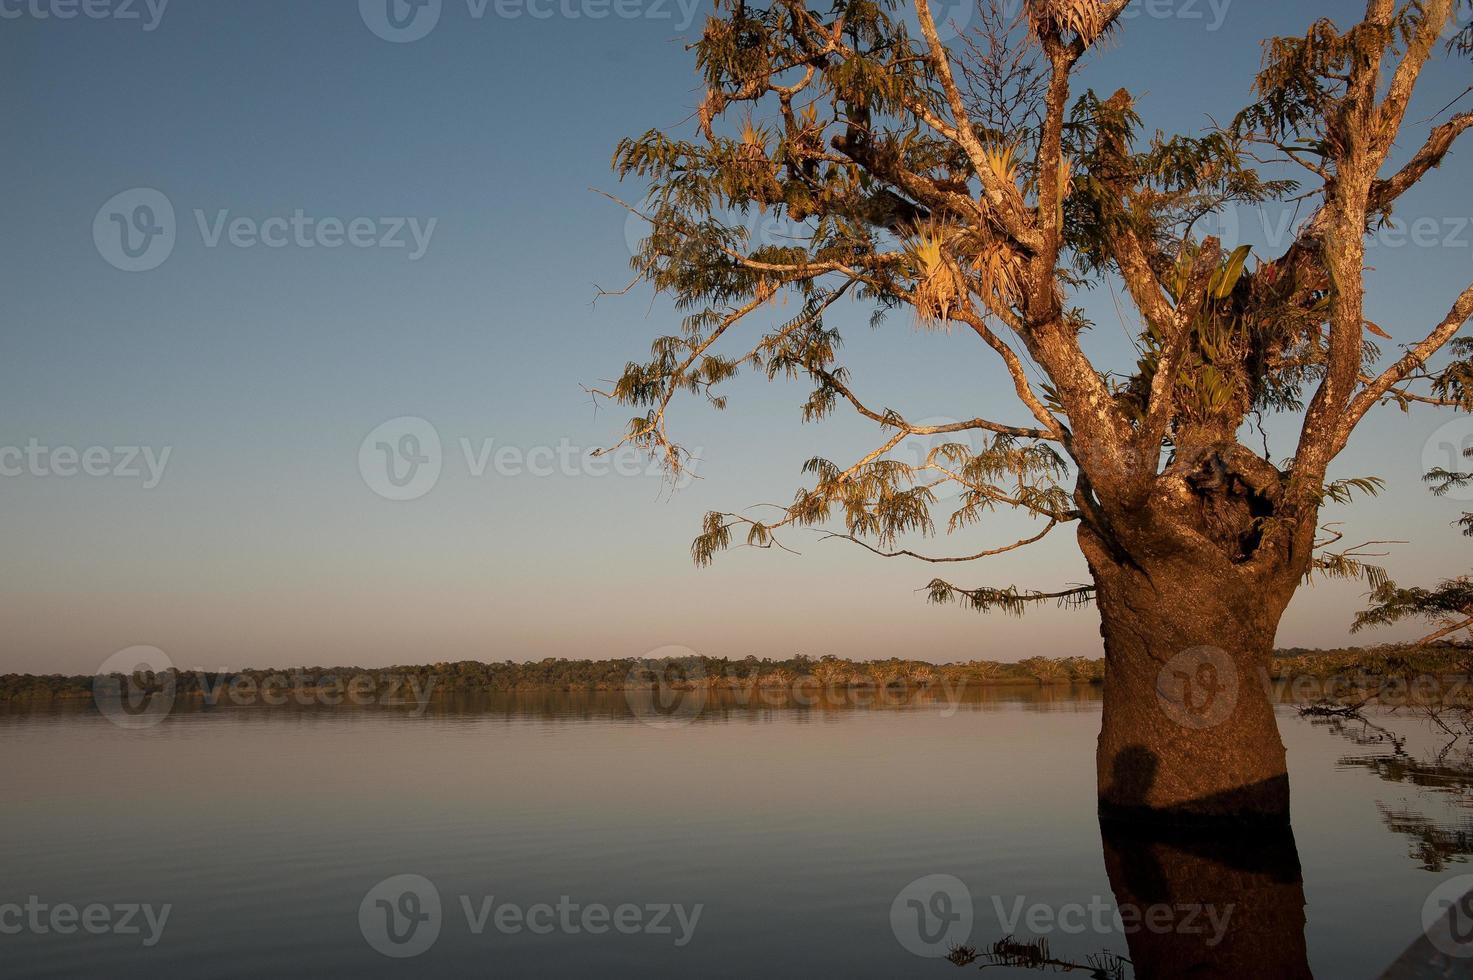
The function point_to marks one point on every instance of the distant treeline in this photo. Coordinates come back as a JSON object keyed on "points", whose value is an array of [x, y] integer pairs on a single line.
{"points": [[1388, 660], [556, 674]]}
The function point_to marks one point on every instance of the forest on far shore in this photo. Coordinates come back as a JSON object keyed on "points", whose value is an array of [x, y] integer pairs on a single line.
{"points": [[559, 674]]}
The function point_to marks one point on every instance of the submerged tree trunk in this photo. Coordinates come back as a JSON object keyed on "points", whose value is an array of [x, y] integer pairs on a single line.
{"points": [[1208, 905], [1188, 733]]}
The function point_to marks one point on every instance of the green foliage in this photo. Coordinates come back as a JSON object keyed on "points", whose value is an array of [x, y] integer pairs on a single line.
{"points": [[1392, 604], [1343, 491], [1454, 383], [1302, 86], [1010, 600], [905, 178], [1349, 568], [1450, 604], [1385, 660]]}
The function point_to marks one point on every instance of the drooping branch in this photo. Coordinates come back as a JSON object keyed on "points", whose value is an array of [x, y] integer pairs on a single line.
{"points": [[1450, 605], [830, 381], [1010, 600], [987, 553]]}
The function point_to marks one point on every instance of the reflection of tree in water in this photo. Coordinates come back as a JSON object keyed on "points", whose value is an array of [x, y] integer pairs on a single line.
{"points": [[1248, 881], [1433, 845], [1443, 773]]}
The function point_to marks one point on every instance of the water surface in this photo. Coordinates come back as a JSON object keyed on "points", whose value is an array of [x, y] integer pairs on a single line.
{"points": [[793, 829]]}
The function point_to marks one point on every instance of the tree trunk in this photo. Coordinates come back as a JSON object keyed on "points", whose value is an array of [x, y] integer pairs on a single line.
{"points": [[1188, 733]]}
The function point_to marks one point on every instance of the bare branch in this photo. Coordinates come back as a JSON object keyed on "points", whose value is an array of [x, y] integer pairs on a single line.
{"points": [[1004, 200], [1412, 360]]}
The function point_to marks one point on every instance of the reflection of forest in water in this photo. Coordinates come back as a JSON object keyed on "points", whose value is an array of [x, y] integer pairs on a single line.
{"points": [[1423, 753]]}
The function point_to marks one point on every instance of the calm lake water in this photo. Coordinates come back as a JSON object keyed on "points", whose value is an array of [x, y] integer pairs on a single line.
{"points": [[266, 832]]}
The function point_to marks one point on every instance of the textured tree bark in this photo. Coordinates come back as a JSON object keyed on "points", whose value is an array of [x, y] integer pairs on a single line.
{"points": [[1188, 733]]}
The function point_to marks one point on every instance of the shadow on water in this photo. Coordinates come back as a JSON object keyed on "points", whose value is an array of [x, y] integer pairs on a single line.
{"points": [[1209, 904], [1191, 903]]}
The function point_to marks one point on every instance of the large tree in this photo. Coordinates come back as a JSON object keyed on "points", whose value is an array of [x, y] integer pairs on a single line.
{"points": [[969, 186]]}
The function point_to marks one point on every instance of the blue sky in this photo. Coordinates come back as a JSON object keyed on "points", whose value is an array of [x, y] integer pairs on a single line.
{"points": [[262, 370]]}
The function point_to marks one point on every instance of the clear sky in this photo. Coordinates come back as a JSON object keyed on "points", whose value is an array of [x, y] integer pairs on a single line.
{"points": [[263, 368]]}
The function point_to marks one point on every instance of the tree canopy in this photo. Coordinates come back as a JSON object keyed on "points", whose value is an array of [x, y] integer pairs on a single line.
{"points": [[972, 188]]}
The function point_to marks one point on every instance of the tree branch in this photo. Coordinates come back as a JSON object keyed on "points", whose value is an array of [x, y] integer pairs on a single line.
{"points": [[1412, 360], [905, 553]]}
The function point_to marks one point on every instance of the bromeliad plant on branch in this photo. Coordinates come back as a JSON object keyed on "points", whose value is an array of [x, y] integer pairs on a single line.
{"points": [[973, 188]]}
